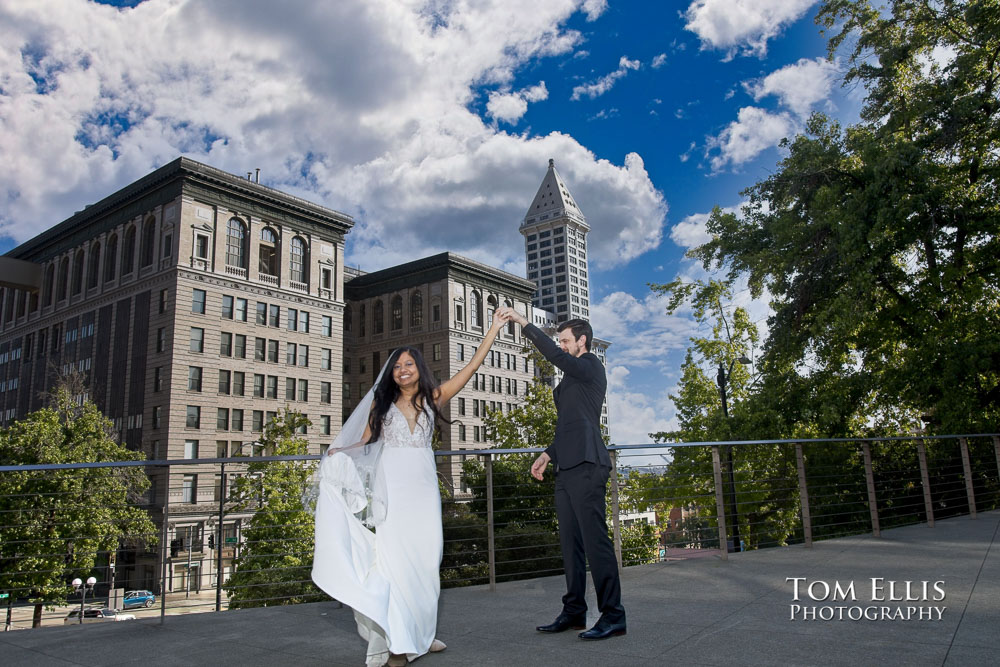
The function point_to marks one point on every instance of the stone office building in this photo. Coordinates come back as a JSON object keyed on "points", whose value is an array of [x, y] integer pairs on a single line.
{"points": [[194, 305], [441, 305]]}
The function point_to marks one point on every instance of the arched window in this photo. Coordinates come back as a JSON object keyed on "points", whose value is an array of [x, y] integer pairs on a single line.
{"points": [[128, 251], [148, 237], [397, 313], [94, 272], [50, 284], [63, 279], [361, 320], [378, 313], [236, 243], [268, 252], [299, 261], [491, 305], [475, 309], [347, 318], [416, 309], [78, 272], [111, 258]]}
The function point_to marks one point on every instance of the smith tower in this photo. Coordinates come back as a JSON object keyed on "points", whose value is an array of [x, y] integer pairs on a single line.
{"points": [[555, 246]]}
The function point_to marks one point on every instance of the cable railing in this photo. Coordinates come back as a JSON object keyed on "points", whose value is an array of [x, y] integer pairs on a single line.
{"points": [[224, 533]]}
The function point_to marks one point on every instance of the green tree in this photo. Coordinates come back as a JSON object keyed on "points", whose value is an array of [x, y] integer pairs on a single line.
{"points": [[878, 243], [275, 559], [53, 524]]}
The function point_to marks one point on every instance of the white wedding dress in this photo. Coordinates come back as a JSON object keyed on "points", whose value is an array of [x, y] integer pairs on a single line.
{"points": [[389, 578]]}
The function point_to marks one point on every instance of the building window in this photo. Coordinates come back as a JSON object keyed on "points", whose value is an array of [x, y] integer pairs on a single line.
{"points": [[274, 316], [397, 313], [304, 321], [238, 380], [148, 237], [324, 392], [290, 354], [168, 245], [272, 386], [237, 421], [157, 412], [200, 246], [258, 385], [298, 261], [461, 406], [272, 351], [226, 344], [227, 307], [94, 274], [303, 390], [164, 295], [303, 355], [190, 449], [261, 313], [378, 326], [289, 389], [436, 352], [416, 309], [225, 382], [111, 258], [258, 349], [158, 378], [240, 347], [198, 301], [222, 419], [436, 312], [461, 432], [161, 339], [241, 310], [193, 416], [475, 309], [326, 279], [324, 425], [236, 241], [189, 491], [257, 424], [361, 320], [78, 272], [197, 339], [194, 378], [327, 326], [293, 319], [459, 313], [348, 317], [268, 253], [128, 251]]}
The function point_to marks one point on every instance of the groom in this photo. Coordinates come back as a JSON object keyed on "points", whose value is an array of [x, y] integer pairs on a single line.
{"points": [[582, 469]]}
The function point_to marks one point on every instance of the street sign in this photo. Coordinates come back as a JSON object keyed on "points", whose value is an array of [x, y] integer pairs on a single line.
{"points": [[4, 595], [230, 540]]}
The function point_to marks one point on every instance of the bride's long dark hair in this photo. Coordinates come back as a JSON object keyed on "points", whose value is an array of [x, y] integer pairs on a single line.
{"points": [[387, 392]]}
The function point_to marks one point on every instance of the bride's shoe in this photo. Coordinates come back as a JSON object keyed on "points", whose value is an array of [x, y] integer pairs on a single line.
{"points": [[437, 646], [396, 660]]}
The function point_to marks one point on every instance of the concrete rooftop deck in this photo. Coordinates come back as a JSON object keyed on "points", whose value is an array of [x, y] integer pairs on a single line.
{"points": [[701, 611]]}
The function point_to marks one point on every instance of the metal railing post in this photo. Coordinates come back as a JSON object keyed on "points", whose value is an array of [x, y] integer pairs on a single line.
{"points": [[616, 528], [925, 480], [800, 462], [490, 525], [218, 537], [870, 481], [967, 468], [996, 450], [720, 507]]}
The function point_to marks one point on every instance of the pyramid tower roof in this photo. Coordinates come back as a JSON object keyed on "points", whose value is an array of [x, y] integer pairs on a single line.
{"points": [[553, 199]]}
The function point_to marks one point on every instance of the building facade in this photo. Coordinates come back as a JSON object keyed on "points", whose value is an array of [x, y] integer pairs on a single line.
{"points": [[441, 305], [190, 306]]}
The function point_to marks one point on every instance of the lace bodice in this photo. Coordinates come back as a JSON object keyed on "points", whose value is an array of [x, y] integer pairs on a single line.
{"points": [[396, 430]]}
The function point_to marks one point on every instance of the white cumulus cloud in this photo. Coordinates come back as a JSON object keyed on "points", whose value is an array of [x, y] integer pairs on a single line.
{"points": [[606, 82], [799, 86], [754, 131], [742, 25], [509, 107]]}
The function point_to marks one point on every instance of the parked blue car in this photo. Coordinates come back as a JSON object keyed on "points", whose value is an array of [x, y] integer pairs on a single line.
{"points": [[138, 599]]}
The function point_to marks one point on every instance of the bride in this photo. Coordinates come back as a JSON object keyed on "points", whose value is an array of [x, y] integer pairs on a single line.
{"points": [[381, 474]]}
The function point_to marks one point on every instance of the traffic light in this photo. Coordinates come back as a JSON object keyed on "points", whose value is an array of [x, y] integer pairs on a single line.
{"points": [[211, 541]]}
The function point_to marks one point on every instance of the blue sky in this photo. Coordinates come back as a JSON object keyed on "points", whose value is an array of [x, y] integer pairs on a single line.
{"points": [[431, 122]]}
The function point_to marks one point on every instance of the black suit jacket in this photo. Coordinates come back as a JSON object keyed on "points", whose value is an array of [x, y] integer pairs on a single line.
{"points": [[578, 398]]}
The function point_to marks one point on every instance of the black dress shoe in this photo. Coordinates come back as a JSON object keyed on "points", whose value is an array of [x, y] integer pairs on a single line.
{"points": [[564, 622], [604, 629]]}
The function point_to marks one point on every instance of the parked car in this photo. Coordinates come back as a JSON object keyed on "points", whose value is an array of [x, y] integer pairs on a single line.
{"points": [[138, 599], [96, 615]]}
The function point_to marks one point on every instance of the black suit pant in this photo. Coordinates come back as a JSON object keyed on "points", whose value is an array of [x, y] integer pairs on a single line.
{"points": [[583, 534]]}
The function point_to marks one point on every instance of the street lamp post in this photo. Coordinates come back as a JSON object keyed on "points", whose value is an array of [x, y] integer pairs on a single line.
{"points": [[77, 585], [723, 380]]}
